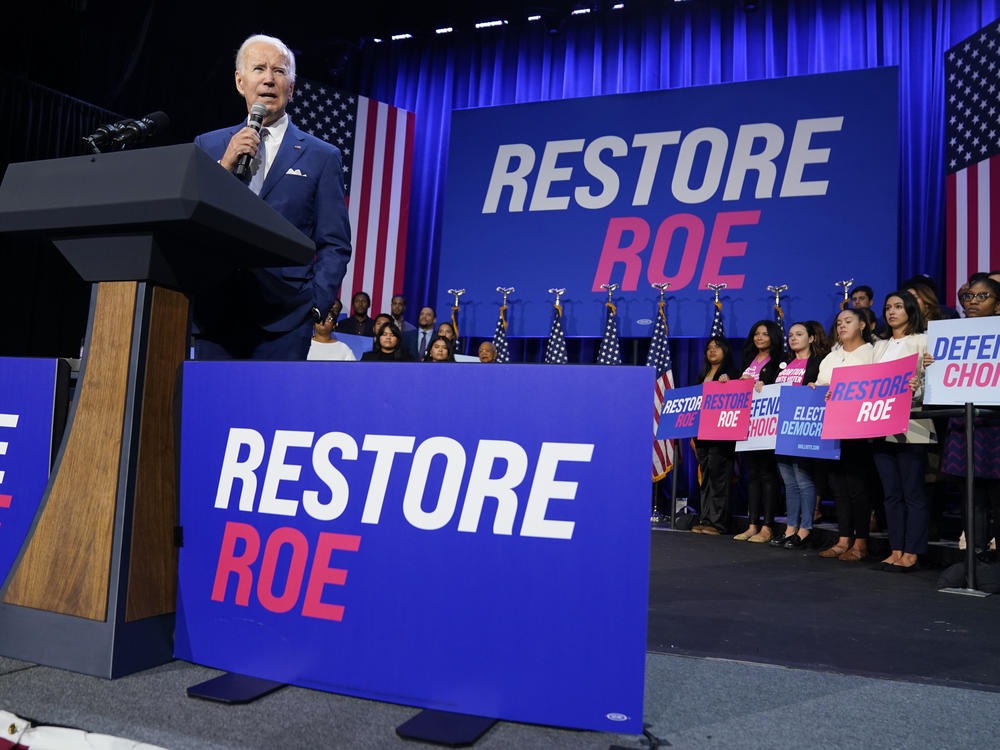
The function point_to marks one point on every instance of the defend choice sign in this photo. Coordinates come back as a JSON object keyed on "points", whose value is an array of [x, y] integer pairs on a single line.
{"points": [[966, 366], [688, 186], [763, 420], [476, 542]]}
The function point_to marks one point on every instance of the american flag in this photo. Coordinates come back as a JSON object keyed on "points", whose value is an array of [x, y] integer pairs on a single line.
{"points": [[659, 358], [972, 133], [610, 352], [555, 347], [717, 328], [779, 318], [376, 141], [500, 336]]}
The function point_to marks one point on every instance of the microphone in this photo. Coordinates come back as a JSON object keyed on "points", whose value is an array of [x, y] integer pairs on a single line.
{"points": [[127, 132], [134, 132], [257, 114]]}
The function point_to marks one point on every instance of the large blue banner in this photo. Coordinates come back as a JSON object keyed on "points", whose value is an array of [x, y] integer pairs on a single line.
{"points": [[787, 181], [27, 396], [471, 539]]}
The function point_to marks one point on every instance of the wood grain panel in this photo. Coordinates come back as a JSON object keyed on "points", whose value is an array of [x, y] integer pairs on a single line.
{"points": [[152, 582], [65, 567]]}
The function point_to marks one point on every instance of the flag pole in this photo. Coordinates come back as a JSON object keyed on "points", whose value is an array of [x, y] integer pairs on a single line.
{"points": [[847, 284]]}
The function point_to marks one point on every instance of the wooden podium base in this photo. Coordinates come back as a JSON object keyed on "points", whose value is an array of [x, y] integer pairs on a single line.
{"points": [[94, 587]]}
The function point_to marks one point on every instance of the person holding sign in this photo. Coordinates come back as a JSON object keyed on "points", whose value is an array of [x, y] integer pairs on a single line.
{"points": [[902, 459], [715, 457], [847, 477], [980, 300], [797, 471], [762, 354]]}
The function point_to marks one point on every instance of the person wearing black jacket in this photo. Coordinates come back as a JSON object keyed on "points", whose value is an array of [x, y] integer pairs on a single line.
{"points": [[715, 457], [388, 346], [762, 358]]}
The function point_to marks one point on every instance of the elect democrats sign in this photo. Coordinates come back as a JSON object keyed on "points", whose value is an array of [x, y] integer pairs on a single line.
{"points": [[786, 181], [476, 543]]}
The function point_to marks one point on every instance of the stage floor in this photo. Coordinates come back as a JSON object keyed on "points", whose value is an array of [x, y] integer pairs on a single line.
{"points": [[711, 596]]}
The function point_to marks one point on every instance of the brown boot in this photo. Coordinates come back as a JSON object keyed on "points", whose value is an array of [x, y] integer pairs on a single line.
{"points": [[859, 551]]}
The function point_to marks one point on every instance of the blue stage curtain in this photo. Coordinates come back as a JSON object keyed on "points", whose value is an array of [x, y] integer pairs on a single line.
{"points": [[673, 46]]}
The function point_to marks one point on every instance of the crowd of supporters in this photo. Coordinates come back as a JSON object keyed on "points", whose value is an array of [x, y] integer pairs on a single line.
{"points": [[890, 481]]}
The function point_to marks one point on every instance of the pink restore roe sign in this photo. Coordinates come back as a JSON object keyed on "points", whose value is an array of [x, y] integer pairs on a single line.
{"points": [[870, 400], [725, 410]]}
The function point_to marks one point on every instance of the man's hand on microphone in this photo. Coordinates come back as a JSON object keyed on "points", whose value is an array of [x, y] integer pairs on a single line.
{"points": [[244, 142]]}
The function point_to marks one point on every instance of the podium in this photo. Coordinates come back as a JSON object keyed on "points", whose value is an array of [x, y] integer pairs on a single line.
{"points": [[93, 589]]}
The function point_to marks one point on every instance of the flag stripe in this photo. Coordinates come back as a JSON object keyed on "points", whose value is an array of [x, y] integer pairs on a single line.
{"points": [[993, 211], [374, 163], [359, 179], [404, 200], [380, 301], [982, 215], [961, 226], [952, 270]]}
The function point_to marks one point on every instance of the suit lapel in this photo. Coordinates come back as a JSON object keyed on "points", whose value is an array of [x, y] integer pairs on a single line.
{"points": [[292, 147]]}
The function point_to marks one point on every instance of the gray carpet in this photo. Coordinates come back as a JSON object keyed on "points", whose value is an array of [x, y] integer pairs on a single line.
{"points": [[690, 703]]}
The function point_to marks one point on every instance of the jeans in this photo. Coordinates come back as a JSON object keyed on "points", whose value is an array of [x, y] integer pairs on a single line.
{"points": [[800, 491]]}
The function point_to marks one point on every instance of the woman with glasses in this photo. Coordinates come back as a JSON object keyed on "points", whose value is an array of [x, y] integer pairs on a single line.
{"points": [[982, 299]]}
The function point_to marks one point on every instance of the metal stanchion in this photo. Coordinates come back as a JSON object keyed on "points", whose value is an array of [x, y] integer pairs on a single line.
{"points": [[673, 485], [970, 512]]}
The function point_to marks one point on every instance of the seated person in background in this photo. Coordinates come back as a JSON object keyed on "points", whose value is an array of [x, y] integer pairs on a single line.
{"points": [[862, 296], [440, 350], [398, 307], [358, 323], [446, 330], [388, 346], [417, 340], [487, 352], [335, 309], [380, 320], [325, 347]]}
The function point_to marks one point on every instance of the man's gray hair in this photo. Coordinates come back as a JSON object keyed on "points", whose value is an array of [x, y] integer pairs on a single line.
{"points": [[274, 42]]}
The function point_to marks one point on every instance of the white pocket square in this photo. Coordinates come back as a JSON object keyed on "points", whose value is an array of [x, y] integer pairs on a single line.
{"points": [[295, 172]]}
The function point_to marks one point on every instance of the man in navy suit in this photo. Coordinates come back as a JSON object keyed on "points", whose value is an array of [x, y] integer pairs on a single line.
{"points": [[265, 313]]}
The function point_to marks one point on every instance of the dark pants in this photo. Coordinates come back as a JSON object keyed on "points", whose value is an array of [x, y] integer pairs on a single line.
{"points": [[849, 481], [901, 469], [762, 484], [715, 458]]}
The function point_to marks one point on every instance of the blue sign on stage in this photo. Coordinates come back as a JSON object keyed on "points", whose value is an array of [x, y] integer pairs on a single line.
{"points": [[27, 398], [680, 414], [784, 181], [469, 539], [800, 423]]}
